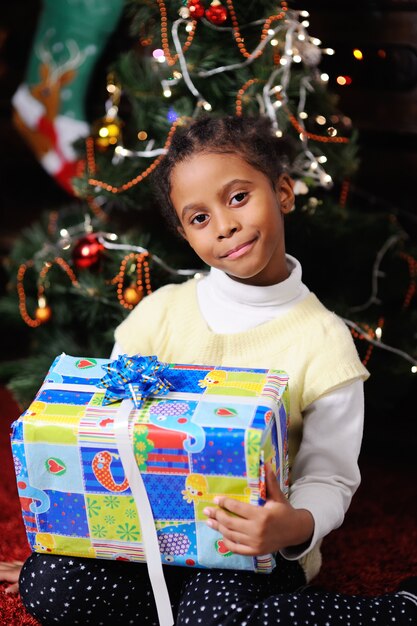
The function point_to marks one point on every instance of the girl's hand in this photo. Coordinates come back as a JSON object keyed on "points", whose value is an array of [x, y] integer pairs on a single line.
{"points": [[9, 572], [253, 530]]}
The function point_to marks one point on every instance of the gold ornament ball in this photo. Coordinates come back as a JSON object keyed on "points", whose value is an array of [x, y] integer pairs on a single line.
{"points": [[107, 132], [43, 314], [132, 295]]}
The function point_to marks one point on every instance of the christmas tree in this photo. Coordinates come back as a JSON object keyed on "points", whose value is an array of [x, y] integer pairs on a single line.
{"points": [[76, 273]]}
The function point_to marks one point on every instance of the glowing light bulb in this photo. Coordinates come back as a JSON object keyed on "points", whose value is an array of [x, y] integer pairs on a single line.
{"points": [[378, 332], [278, 133], [297, 58], [283, 61], [63, 232], [358, 54], [320, 119], [324, 77], [274, 42], [329, 51], [322, 159], [167, 92], [303, 115], [414, 369]]}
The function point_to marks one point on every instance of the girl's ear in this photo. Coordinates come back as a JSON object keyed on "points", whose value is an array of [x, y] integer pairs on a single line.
{"points": [[182, 232], [285, 193]]}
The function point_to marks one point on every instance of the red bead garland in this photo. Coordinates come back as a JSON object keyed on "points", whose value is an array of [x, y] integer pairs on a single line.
{"points": [[131, 295]]}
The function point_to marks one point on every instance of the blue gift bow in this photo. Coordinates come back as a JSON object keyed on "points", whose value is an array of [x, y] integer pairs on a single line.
{"points": [[134, 377]]}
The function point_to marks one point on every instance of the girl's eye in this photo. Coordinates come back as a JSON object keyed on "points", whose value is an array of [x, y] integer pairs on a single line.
{"points": [[199, 219], [239, 197]]}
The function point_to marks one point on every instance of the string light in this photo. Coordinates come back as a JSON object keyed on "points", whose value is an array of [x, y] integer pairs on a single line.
{"points": [[137, 179], [376, 273], [103, 238], [361, 334]]}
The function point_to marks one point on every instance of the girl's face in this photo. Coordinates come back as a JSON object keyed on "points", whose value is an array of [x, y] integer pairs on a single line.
{"points": [[232, 217]]}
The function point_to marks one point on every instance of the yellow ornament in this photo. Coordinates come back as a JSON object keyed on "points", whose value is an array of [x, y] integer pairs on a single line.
{"points": [[107, 132], [132, 296], [43, 313]]}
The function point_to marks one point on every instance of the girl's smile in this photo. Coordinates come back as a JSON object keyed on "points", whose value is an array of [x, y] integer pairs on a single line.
{"points": [[231, 215], [240, 250]]}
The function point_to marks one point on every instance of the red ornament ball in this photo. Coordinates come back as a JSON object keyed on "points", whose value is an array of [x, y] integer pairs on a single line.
{"points": [[87, 252], [196, 9], [216, 13]]}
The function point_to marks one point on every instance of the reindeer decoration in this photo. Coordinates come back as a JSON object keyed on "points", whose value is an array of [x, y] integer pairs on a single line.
{"points": [[37, 110]]}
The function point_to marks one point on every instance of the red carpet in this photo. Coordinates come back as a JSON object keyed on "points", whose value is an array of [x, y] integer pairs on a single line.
{"points": [[373, 551]]}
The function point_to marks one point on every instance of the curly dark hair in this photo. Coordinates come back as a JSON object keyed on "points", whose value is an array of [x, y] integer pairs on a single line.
{"points": [[252, 138]]}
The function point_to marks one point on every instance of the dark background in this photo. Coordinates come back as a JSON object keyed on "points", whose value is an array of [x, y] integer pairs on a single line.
{"points": [[381, 101]]}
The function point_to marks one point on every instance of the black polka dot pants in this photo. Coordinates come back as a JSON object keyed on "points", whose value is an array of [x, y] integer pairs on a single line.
{"points": [[67, 590], [226, 598]]}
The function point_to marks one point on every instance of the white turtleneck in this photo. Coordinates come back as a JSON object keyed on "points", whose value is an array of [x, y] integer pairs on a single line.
{"points": [[325, 474], [229, 306]]}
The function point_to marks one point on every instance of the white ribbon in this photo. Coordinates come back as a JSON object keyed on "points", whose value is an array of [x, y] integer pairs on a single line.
{"points": [[147, 524]]}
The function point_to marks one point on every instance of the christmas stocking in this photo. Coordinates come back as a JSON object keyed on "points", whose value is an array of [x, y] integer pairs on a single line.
{"points": [[49, 109]]}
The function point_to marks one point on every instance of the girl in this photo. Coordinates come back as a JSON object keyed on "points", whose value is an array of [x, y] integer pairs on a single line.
{"points": [[223, 186]]}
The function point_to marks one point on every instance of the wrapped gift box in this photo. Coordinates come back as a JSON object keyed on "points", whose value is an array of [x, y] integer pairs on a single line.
{"points": [[209, 435]]}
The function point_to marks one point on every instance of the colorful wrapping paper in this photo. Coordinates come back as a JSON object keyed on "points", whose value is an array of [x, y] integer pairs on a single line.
{"points": [[209, 435]]}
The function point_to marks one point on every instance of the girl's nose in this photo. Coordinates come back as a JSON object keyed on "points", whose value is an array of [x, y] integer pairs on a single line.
{"points": [[226, 232], [227, 225]]}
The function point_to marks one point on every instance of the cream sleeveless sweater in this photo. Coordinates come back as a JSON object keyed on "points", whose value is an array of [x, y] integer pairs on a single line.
{"points": [[309, 342]]}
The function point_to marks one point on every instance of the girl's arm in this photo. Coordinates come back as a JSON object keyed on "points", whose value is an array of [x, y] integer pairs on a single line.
{"points": [[325, 474]]}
